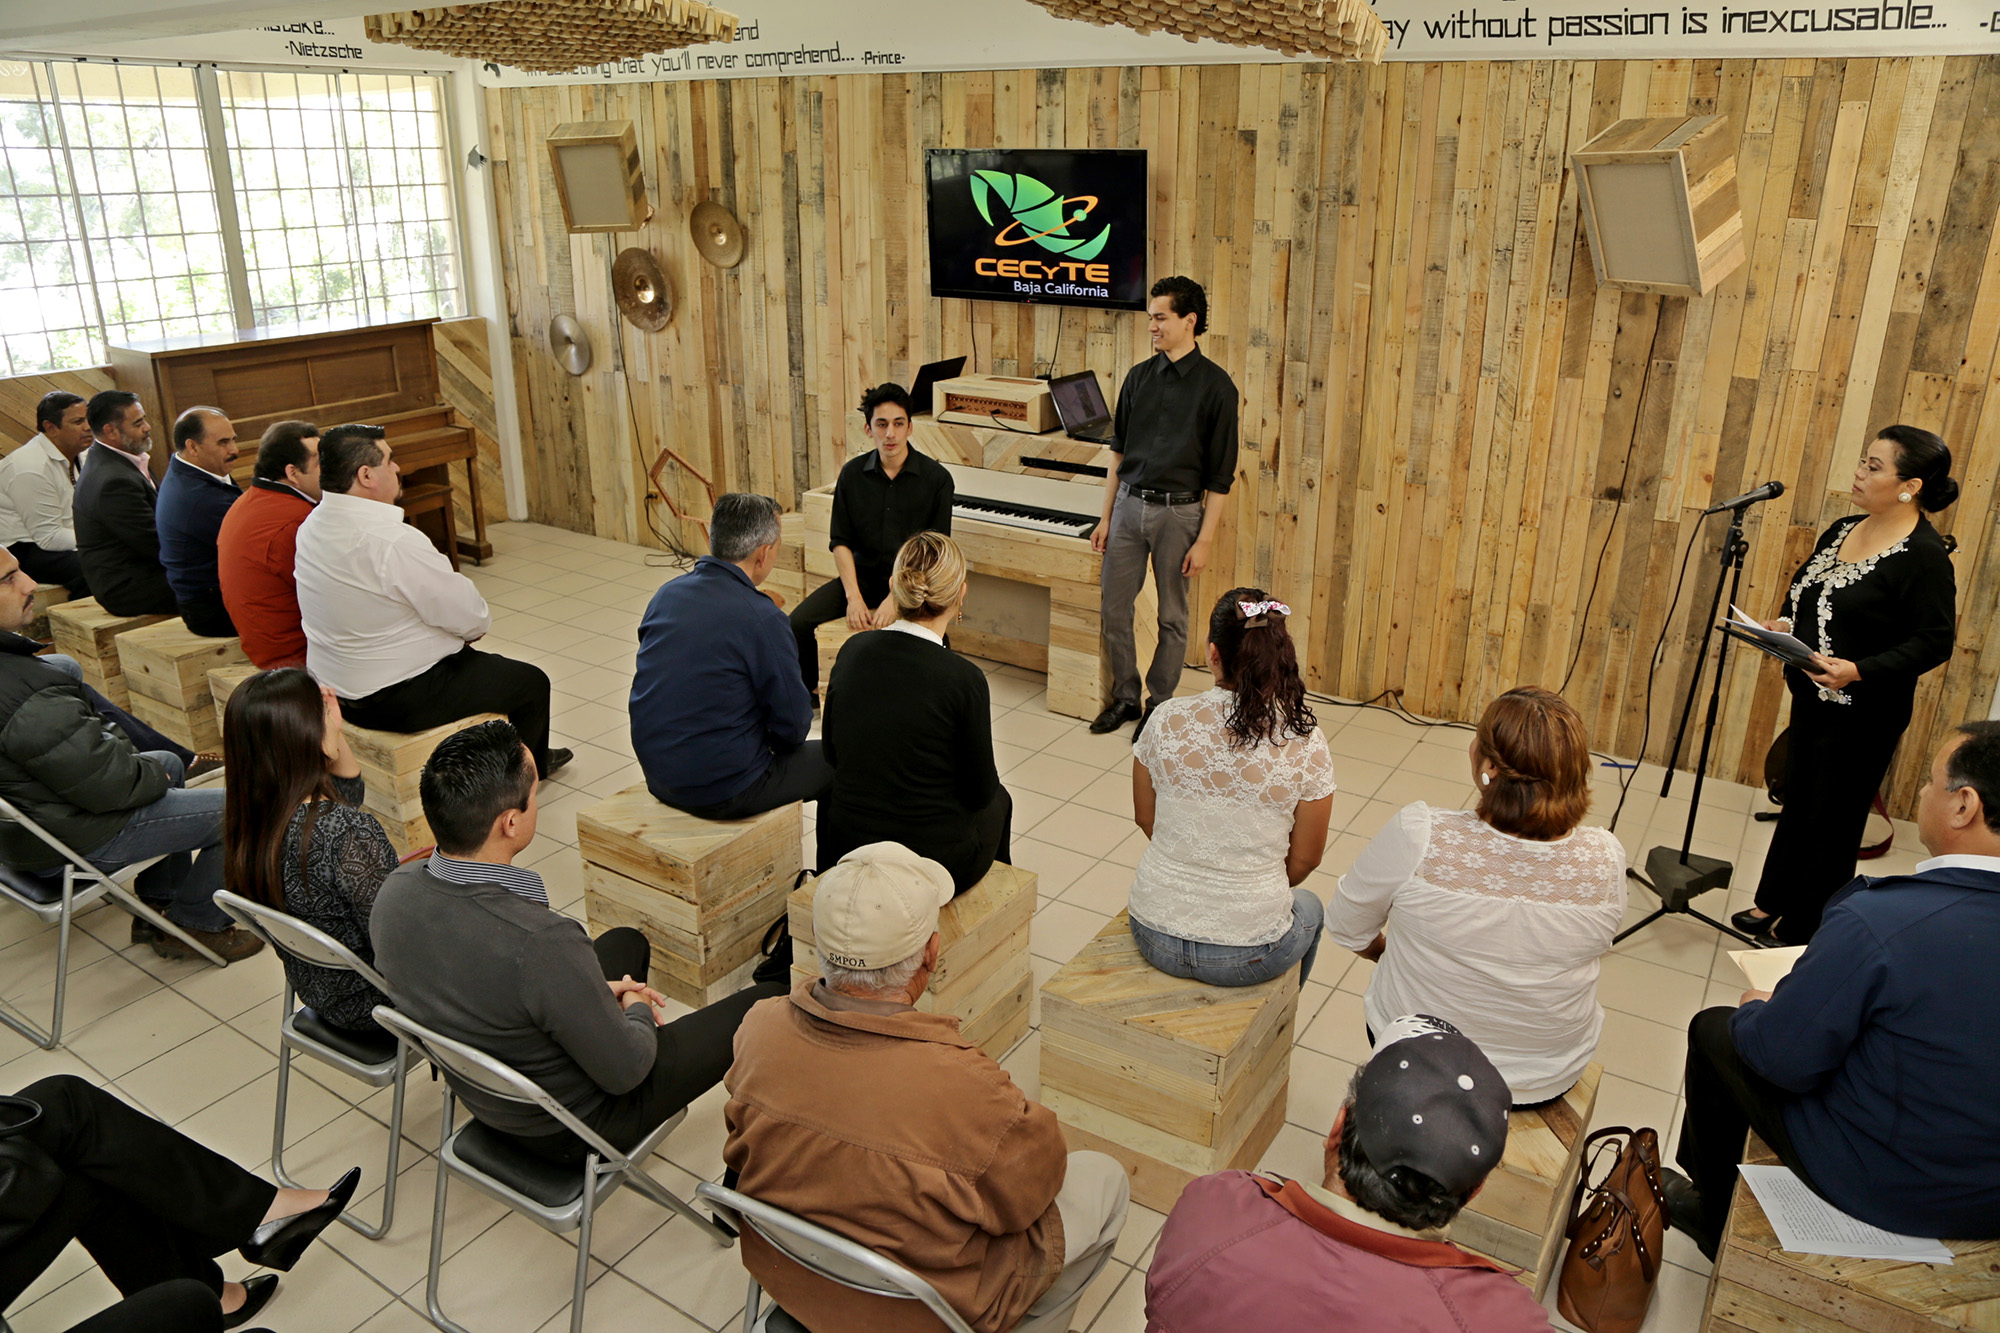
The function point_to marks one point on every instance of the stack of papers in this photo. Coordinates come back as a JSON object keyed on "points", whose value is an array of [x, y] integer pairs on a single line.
{"points": [[1767, 967], [1789, 650], [1808, 1224]]}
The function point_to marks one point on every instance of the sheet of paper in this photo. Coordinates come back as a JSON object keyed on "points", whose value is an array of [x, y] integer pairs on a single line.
{"points": [[1808, 1224], [1767, 967]]}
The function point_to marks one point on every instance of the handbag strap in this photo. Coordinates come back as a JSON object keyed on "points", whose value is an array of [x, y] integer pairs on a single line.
{"points": [[1624, 1213], [19, 1114]]}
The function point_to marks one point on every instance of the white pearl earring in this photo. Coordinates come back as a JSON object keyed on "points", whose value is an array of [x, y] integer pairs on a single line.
{"points": [[1485, 779], [1904, 497]]}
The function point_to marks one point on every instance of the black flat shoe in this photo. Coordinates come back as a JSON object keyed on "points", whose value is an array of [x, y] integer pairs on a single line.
{"points": [[1685, 1212], [257, 1293], [1750, 923], [279, 1244], [1113, 718]]}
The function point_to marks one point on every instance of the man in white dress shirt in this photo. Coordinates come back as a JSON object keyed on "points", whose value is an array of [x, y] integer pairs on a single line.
{"points": [[389, 623], [37, 487]]}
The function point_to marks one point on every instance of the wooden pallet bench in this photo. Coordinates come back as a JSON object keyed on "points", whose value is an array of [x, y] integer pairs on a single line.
{"points": [[166, 671], [1757, 1286], [392, 763], [1520, 1213], [86, 631], [46, 596], [701, 890], [1175, 1079], [983, 975]]}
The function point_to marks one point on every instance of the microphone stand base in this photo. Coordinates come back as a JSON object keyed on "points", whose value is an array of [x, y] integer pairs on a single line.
{"points": [[1678, 879]]}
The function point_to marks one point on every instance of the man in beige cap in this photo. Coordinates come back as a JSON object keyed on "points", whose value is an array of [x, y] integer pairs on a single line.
{"points": [[856, 1111]]}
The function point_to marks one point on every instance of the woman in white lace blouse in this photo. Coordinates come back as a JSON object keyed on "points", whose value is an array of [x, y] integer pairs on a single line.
{"points": [[1234, 787], [1494, 919]]}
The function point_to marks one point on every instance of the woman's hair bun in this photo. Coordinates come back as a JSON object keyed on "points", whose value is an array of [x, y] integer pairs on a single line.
{"points": [[1938, 494]]}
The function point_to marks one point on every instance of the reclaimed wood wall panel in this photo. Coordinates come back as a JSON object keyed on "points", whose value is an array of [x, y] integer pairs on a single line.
{"points": [[1463, 465], [20, 394]]}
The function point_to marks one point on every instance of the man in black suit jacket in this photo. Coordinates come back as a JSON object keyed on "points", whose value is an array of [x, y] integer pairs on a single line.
{"points": [[115, 495]]}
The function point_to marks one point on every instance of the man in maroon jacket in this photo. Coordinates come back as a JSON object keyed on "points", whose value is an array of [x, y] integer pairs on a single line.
{"points": [[1425, 1121], [259, 537]]}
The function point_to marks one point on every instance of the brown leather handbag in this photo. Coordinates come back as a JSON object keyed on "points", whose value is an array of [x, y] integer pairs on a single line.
{"points": [[1616, 1230]]}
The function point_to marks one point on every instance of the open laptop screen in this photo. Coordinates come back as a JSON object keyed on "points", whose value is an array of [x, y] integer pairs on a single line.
{"points": [[1079, 402]]}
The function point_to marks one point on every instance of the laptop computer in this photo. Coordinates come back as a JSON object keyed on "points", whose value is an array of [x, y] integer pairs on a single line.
{"points": [[1080, 407], [927, 378]]}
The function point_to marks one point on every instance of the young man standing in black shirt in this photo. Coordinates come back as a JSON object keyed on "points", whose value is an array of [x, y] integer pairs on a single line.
{"points": [[1172, 465], [881, 499]]}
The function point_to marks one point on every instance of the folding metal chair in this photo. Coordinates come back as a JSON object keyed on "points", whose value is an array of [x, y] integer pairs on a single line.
{"points": [[379, 1060], [831, 1256], [56, 896], [557, 1197]]}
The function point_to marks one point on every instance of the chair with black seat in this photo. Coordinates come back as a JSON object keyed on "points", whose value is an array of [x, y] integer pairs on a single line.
{"points": [[826, 1254], [378, 1059], [557, 1197], [56, 896]]}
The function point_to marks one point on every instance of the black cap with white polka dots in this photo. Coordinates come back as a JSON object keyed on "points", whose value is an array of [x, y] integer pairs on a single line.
{"points": [[1430, 1100]]}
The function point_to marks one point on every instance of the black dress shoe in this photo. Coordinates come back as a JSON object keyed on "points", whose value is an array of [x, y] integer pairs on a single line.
{"points": [[557, 758], [257, 1293], [1113, 718], [1685, 1212], [279, 1244], [1144, 718], [1750, 923]]}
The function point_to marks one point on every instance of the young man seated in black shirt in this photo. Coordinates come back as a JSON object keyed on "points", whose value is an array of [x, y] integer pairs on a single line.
{"points": [[881, 500]]}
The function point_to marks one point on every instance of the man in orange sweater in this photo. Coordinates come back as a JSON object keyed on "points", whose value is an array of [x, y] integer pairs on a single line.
{"points": [[259, 537]]}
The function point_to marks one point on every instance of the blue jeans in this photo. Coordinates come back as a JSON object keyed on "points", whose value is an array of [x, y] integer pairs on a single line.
{"points": [[1238, 964], [182, 886]]}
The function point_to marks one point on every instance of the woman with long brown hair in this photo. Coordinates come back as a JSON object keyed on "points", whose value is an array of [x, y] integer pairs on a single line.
{"points": [[1494, 918], [294, 835], [1234, 786]]}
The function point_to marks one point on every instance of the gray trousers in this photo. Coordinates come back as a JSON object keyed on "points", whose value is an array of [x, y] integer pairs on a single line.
{"points": [[1162, 535], [1093, 1202]]}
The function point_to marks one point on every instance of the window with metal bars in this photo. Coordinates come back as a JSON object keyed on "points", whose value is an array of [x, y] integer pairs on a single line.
{"points": [[141, 202]]}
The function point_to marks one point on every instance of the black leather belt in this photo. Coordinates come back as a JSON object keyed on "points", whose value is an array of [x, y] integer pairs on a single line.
{"points": [[1163, 497]]}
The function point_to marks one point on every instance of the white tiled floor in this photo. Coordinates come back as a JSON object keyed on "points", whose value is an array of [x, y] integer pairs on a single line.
{"points": [[195, 1045]]}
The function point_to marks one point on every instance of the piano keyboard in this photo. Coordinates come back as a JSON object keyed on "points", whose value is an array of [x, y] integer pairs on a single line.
{"points": [[1037, 504]]}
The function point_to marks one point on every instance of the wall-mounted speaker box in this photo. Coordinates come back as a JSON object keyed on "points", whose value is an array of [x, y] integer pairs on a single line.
{"points": [[597, 175], [1659, 204]]}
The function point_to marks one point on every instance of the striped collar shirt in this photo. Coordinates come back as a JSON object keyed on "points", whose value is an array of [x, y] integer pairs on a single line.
{"points": [[517, 880]]}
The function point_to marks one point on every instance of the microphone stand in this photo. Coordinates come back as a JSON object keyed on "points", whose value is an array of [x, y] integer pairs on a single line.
{"points": [[1679, 875]]}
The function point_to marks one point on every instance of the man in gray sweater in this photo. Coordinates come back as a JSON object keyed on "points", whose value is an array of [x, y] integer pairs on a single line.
{"points": [[470, 947]]}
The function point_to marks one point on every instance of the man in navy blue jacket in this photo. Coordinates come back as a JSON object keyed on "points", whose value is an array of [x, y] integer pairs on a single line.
{"points": [[719, 713], [1873, 1070], [195, 497]]}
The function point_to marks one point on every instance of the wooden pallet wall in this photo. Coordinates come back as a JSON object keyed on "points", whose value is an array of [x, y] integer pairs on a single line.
{"points": [[1463, 465], [20, 393]]}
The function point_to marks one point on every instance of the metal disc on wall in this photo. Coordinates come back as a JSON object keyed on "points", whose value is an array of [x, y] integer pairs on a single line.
{"points": [[569, 344], [717, 234], [641, 289]]}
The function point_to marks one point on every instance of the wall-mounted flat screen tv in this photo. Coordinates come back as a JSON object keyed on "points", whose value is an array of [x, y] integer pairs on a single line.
{"points": [[1039, 224]]}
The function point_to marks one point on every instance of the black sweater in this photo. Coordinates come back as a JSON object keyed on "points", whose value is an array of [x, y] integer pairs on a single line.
{"points": [[1894, 618], [908, 729]]}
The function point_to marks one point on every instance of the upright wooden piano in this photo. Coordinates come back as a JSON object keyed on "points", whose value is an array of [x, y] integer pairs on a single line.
{"points": [[382, 374]]}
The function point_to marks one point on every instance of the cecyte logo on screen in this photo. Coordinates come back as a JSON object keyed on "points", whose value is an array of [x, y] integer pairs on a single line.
{"points": [[1039, 214]]}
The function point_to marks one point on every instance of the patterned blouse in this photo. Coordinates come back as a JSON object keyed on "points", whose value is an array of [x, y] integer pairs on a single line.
{"points": [[1893, 614], [335, 890]]}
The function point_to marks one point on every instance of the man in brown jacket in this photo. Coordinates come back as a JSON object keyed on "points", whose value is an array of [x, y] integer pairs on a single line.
{"points": [[852, 1109]]}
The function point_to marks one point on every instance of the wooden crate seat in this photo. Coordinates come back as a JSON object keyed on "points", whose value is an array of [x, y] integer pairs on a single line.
{"points": [[983, 976], [46, 596], [86, 631], [1757, 1286], [832, 636], [392, 763], [166, 670], [1519, 1214], [1175, 1079], [701, 890]]}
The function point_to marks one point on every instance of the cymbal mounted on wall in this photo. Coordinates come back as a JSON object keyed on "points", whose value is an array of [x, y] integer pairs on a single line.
{"points": [[641, 289], [718, 236], [569, 344]]}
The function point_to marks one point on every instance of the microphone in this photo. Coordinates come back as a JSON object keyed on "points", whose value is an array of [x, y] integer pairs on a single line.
{"points": [[1770, 490]]}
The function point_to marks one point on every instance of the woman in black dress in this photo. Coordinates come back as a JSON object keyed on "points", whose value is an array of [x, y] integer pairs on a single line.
{"points": [[1877, 602], [294, 835], [908, 729]]}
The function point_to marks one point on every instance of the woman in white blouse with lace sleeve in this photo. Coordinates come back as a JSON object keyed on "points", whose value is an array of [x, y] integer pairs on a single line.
{"points": [[1494, 919], [1234, 786]]}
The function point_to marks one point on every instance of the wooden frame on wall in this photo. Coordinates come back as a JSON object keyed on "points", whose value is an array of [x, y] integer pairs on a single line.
{"points": [[596, 166]]}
